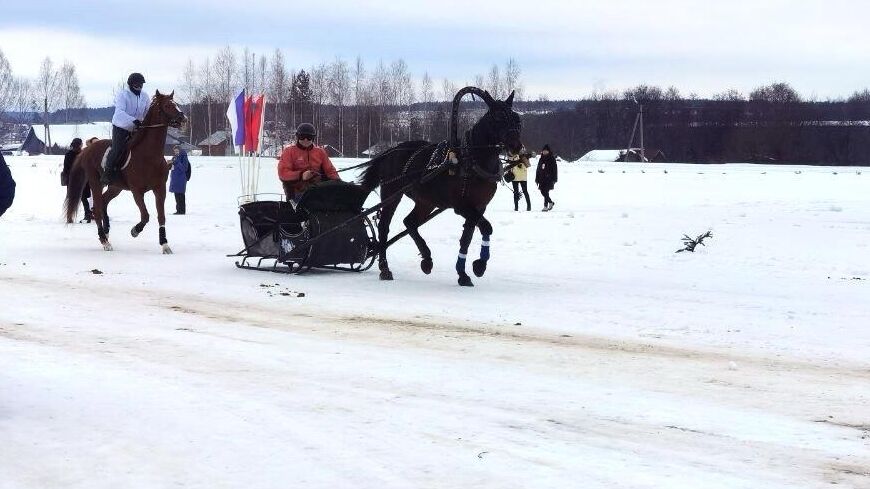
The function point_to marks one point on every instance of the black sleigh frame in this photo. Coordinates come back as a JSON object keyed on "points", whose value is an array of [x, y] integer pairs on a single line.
{"points": [[327, 229]]}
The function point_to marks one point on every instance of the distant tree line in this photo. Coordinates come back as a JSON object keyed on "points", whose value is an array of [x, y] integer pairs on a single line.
{"points": [[352, 107], [355, 107], [55, 88], [773, 124]]}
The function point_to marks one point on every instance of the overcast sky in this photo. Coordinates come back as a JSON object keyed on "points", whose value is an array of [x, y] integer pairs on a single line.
{"points": [[566, 49]]}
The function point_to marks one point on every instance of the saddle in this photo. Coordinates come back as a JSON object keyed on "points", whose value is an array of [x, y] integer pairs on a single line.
{"points": [[125, 158]]}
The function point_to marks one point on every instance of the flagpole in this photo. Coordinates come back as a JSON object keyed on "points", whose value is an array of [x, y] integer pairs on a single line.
{"points": [[262, 130], [241, 150]]}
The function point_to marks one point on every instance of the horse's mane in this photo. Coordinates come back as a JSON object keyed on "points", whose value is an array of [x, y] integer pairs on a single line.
{"points": [[374, 171]]}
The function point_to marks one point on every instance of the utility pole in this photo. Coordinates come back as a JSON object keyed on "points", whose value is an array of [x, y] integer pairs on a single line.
{"points": [[47, 129], [638, 122]]}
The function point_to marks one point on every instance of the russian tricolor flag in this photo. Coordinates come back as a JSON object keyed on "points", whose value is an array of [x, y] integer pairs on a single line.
{"points": [[236, 115], [254, 112]]}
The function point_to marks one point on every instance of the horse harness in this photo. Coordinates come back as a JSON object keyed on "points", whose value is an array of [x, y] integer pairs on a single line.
{"points": [[459, 160]]}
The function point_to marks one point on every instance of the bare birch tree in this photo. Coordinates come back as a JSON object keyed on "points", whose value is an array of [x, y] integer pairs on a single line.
{"points": [[21, 97], [226, 72], [319, 94], [479, 81], [494, 83], [245, 72], [512, 81], [359, 80], [190, 94], [47, 89], [291, 82], [427, 97], [398, 88], [261, 75], [339, 88], [69, 91], [278, 91], [7, 84], [206, 84], [448, 90], [380, 87]]}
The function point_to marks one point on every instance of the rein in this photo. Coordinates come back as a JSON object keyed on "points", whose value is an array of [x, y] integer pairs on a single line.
{"points": [[161, 112]]}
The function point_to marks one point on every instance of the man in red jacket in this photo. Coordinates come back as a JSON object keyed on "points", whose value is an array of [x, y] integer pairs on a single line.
{"points": [[304, 164]]}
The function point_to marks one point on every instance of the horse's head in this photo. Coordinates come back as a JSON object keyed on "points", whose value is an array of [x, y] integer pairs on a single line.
{"points": [[500, 125], [168, 110]]}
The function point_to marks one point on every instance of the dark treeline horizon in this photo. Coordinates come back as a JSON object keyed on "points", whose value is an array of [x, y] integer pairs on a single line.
{"points": [[773, 124]]}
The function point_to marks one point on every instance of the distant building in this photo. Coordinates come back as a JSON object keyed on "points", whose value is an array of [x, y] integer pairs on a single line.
{"points": [[647, 156], [174, 137], [61, 135], [332, 151], [632, 154], [216, 145], [376, 149], [602, 155]]}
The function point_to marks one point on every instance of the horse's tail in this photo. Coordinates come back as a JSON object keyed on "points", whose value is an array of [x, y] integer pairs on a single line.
{"points": [[370, 178], [388, 164], [74, 188]]}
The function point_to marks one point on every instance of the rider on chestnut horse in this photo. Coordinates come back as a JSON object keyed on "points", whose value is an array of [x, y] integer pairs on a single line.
{"points": [[130, 107]]}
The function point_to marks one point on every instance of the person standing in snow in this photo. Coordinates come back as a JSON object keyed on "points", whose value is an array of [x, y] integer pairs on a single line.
{"points": [[75, 147], [7, 186], [304, 164], [519, 168], [178, 178], [130, 108], [546, 176]]}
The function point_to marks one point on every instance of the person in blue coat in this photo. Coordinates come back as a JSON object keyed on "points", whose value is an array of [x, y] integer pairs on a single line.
{"points": [[7, 186], [178, 178]]}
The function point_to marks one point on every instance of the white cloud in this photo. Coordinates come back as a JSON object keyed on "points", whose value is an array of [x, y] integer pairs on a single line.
{"points": [[566, 49]]}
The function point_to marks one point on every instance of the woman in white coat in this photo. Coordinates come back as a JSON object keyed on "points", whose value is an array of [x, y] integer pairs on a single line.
{"points": [[130, 108]]}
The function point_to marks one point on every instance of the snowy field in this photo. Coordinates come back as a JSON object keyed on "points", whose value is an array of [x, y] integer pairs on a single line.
{"points": [[589, 356]]}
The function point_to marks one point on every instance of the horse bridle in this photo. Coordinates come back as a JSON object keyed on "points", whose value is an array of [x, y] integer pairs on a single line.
{"points": [[163, 113], [468, 155]]}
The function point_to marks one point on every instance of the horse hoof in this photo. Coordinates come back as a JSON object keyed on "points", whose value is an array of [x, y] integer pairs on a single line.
{"points": [[426, 265], [465, 281], [479, 267], [107, 246], [386, 275], [166, 249]]}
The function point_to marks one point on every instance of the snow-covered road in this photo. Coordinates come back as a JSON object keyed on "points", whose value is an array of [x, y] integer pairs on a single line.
{"points": [[589, 356]]}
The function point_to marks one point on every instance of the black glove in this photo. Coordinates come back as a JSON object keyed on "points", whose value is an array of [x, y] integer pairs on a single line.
{"points": [[137, 123]]}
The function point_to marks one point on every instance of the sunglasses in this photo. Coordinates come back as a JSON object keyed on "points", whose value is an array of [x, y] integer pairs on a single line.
{"points": [[305, 137]]}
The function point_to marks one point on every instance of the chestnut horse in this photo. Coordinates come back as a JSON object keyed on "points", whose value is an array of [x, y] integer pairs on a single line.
{"points": [[414, 169], [145, 171]]}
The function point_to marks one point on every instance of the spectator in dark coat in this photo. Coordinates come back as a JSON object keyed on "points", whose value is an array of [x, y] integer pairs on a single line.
{"points": [[546, 176], [75, 147], [7, 186], [178, 178]]}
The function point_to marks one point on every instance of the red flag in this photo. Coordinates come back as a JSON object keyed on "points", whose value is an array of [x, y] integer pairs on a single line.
{"points": [[246, 111], [253, 121]]}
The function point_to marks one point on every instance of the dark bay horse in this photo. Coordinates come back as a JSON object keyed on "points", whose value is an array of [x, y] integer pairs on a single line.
{"points": [[466, 185], [147, 171]]}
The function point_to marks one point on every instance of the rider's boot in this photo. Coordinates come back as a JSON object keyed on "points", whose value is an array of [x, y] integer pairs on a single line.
{"points": [[109, 174]]}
